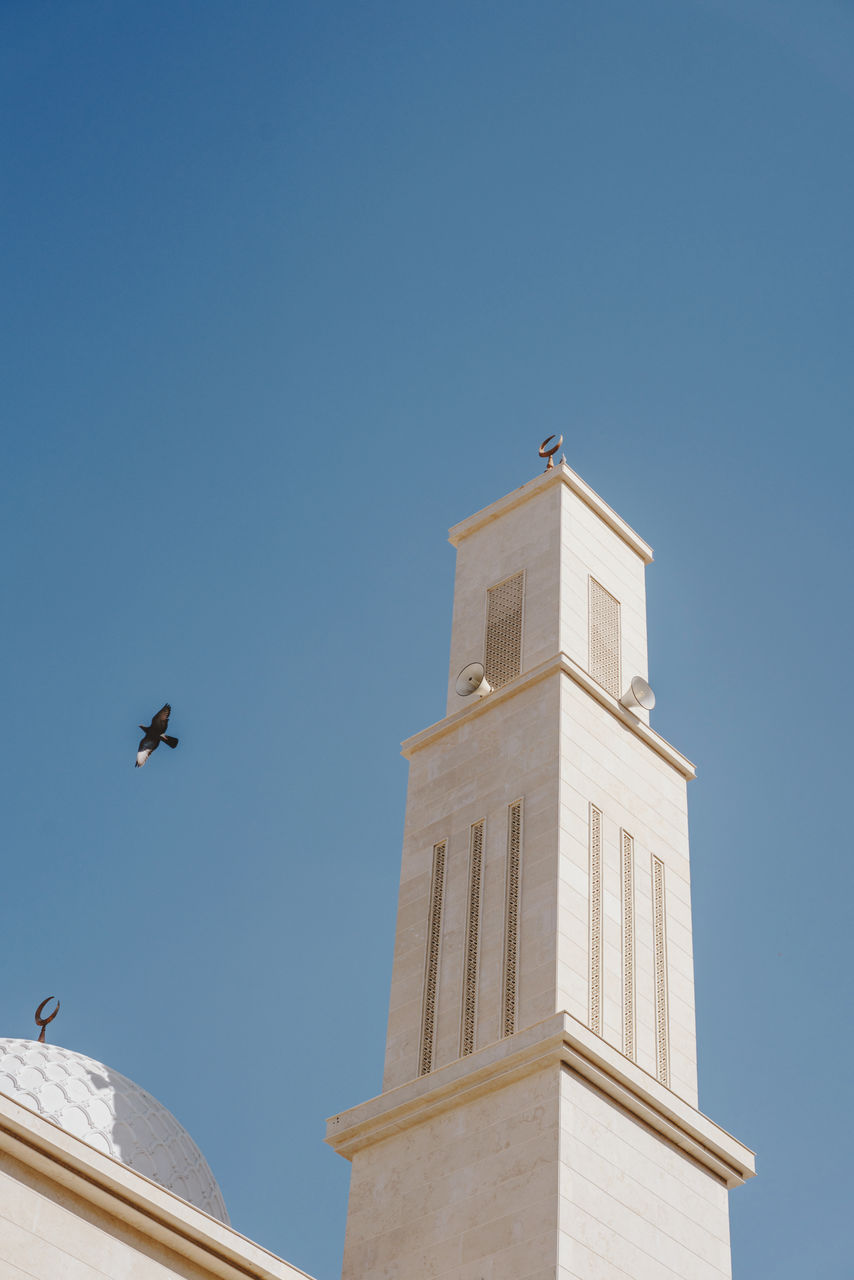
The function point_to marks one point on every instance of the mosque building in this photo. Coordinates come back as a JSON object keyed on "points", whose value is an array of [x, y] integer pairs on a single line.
{"points": [[539, 1115]]}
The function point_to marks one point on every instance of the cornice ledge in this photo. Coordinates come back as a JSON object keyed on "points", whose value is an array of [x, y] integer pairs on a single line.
{"points": [[604, 1067], [561, 474], [135, 1200], [559, 1040], [392, 1112], [561, 662]]}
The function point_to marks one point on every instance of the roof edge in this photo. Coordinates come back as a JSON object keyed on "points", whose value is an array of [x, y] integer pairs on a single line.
{"points": [[561, 474], [133, 1200]]}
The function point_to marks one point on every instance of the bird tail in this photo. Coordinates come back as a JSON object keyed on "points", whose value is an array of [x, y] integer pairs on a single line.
{"points": [[170, 742]]}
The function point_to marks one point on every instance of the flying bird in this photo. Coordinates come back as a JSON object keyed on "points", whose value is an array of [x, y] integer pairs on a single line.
{"points": [[155, 733]]}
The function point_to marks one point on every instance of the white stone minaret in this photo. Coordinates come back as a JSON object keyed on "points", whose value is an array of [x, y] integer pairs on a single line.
{"points": [[539, 1109]]}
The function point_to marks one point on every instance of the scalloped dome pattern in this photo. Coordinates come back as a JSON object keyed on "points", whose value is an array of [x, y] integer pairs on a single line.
{"points": [[111, 1114]]}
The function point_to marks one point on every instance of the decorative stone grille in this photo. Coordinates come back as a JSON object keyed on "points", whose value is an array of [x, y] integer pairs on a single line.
{"points": [[595, 919], [511, 919], [628, 883], [468, 1035], [431, 974], [604, 639], [662, 1030], [503, 649]]}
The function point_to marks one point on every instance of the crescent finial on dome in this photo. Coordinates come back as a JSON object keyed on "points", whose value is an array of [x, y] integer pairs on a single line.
{"points": [[42, 1022]]}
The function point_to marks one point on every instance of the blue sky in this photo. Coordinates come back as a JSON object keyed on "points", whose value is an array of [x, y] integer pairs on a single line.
{"points": [[287, 291]]}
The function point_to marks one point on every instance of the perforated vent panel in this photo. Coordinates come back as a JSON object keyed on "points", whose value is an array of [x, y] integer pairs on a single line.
{"points": [[662, 1030], [503, 660], [431, 974], [467, 1037], [628, 883], [511, 917], [604, 639], [595, 920]]}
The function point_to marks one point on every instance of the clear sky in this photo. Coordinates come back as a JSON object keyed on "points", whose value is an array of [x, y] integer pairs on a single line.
{"points": [[287, 290]]}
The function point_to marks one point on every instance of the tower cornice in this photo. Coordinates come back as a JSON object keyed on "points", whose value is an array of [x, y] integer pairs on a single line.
{"points": [[561, 474], [560, 1039], [561, 662]]}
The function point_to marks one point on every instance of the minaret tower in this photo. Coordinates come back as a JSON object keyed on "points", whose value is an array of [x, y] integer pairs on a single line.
{"points": [[538, 1119]]}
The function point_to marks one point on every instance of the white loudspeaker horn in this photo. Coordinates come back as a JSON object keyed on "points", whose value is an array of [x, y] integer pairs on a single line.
{"points": [[638, 694], [472, 680]]}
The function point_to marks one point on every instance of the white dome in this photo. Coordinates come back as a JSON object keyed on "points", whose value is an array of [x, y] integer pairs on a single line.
{"points": [[112, 1114]]}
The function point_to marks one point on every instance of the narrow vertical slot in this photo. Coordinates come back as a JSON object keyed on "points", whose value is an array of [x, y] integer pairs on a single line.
{"points": [[595, 919], [628, 886], [431, 973], [469, 1021], [511, 917], [662, 1027]]}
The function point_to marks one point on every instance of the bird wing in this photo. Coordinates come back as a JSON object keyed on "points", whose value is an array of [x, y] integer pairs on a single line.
{"points": [[161, 720], [142, 755]]}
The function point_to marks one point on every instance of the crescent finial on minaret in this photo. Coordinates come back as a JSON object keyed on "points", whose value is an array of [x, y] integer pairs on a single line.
{"points": [[547, 453]]}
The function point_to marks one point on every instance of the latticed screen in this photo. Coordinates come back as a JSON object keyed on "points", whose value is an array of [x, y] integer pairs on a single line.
{"points": [[511, 917], [662, 1048], [628, 882], [467, 1039], [431, 975], [604, 639], [595, 919], [503, 659]]}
